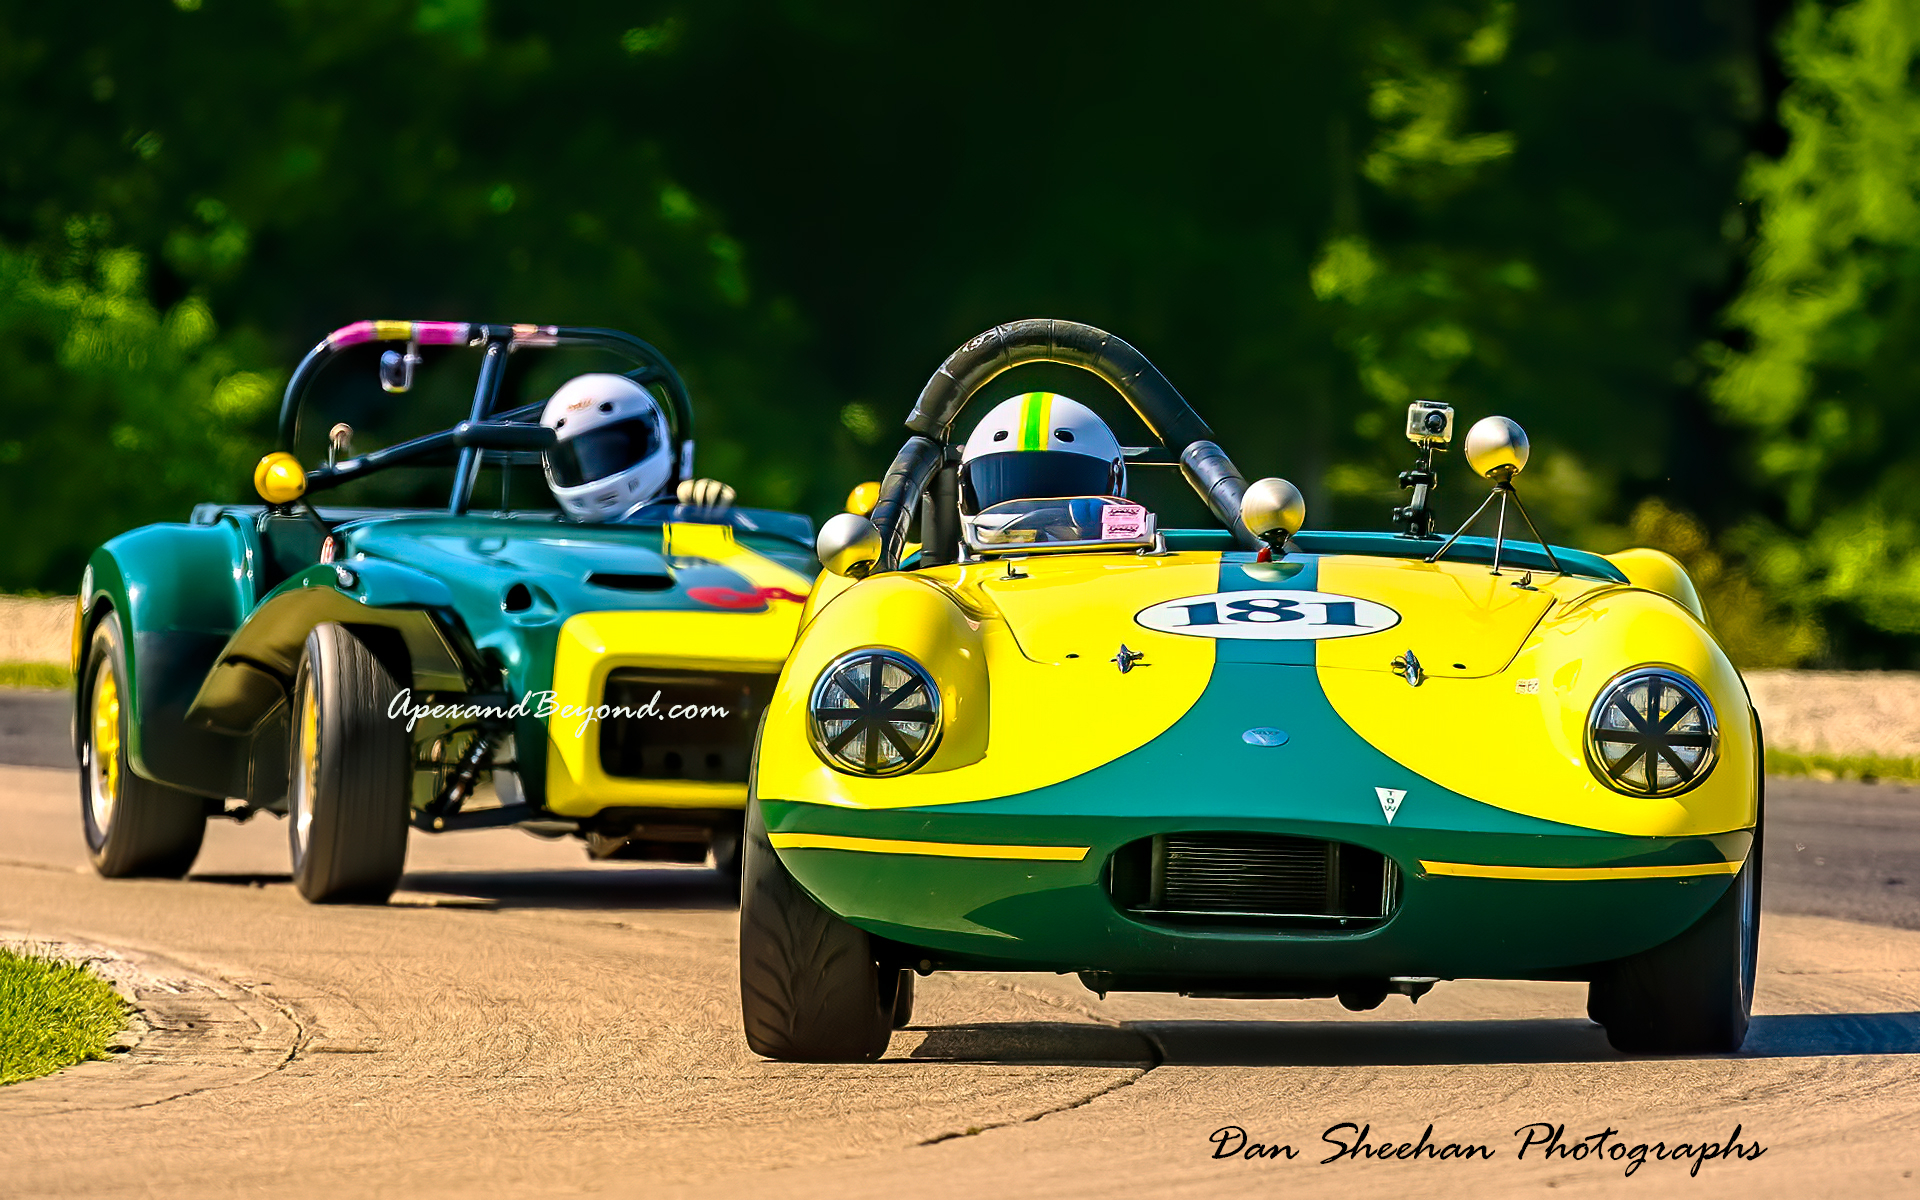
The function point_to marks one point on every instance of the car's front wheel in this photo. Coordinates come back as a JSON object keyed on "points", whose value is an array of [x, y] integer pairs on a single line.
{"points": [[1694, 994], [810, 989], [134, 826], [347, 798]]}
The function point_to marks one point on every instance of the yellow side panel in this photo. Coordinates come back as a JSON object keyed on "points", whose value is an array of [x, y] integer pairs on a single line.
{"points": [[592, 645], [1517, 740], [1059, 705]]}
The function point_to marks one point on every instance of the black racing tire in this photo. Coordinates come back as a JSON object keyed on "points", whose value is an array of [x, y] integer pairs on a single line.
{"points": [[1694, 994], [134, 827], [347, 794], [810, 990], [902, 1006]]}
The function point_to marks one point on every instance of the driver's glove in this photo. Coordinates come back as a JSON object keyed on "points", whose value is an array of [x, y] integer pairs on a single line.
{"points": [[704, 493]]}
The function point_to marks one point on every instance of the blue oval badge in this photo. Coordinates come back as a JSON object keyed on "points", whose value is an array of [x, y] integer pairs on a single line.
{"points": [[1264, 736]]}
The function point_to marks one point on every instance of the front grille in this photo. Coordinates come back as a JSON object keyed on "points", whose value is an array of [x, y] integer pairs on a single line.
{"points": [[649, 742], [1253, 878]]}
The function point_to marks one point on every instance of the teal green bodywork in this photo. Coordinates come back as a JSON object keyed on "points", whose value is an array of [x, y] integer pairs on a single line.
{"points": [[215, 624], [1058, 916]]}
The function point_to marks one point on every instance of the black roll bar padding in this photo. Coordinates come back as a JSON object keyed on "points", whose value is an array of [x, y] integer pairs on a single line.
{"points": [[940, 521], [1159, 404], [1220, 484], [1068, 343], [900, 490]]}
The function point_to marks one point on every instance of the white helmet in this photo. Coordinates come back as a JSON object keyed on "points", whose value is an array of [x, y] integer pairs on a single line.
{"points": [[1039, 446], [614, 453]]}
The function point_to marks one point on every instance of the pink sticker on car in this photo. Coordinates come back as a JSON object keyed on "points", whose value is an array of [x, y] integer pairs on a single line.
{"points": [[1123, 522]]}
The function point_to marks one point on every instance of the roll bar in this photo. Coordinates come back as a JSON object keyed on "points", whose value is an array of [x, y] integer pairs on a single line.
{"points": [[1069, 343], [495, 342]]}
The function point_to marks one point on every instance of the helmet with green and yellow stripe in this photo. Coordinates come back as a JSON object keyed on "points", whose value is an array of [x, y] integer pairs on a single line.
{"points": [[1039, 446]]}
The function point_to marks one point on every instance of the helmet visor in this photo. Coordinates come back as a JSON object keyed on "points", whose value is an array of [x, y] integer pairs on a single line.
{"points": [[599, 453], [1032, 475]]}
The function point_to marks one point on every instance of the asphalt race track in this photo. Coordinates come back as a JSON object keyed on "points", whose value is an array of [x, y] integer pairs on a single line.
{"points": [[522, 1022]]}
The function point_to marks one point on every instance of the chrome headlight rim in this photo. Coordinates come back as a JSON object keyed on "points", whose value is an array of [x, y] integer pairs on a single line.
{"points": [[1620, 776], [868, 767]]}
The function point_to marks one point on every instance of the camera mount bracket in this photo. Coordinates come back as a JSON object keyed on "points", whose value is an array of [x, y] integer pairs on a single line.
{"points": [[1430, 429], [1418, 515], [1503, 492]]}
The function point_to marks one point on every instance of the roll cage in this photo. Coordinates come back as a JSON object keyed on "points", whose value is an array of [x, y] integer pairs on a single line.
{"points": [[484, 429]]}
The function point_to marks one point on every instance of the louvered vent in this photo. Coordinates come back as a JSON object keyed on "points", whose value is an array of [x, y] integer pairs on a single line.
{"points": [[1258, 878]]}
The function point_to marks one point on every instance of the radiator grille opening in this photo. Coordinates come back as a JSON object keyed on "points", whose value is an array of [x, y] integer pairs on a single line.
{"points": [[710, 740], [1253, 879]]}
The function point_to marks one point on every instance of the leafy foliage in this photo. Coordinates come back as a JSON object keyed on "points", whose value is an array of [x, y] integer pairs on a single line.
{"points": [[1306, 213], [1825, 377]]}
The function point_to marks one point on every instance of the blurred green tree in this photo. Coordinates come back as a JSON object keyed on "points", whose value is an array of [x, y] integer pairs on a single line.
{"points": [[1307, 213], [1819, 366], [192, 194]]}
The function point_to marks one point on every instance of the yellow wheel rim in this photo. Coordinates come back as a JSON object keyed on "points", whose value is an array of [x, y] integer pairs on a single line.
{"points": [[306, 781], [105, 765]]}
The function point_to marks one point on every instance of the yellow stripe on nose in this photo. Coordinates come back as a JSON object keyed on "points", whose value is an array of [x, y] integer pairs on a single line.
{"points": [[828, 841], [1494, 871]]}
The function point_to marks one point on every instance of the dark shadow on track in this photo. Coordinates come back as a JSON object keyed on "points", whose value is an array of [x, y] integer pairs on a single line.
{"points": [[1385, 1043], [1037, 1043], [611, 887]]}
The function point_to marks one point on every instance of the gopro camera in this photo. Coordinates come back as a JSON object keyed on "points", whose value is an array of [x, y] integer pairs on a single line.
{"points": [[1429, 422]]}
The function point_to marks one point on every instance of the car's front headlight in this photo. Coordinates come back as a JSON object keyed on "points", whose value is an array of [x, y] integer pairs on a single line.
{"points": [[1652, 733], [875, 712]]}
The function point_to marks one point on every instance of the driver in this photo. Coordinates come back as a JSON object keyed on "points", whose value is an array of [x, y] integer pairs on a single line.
{"points": [[1039, 446], [614, 453]]}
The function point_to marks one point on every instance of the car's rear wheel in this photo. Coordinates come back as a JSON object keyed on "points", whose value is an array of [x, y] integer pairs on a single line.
{"points": [[1694, 994], [134, 826], [347, 798], [810, 990]]}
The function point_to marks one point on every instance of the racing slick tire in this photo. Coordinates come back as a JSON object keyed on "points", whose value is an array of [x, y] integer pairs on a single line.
{"points": [[810, 990], [1694, 994], [347, 797], [134, 826]]}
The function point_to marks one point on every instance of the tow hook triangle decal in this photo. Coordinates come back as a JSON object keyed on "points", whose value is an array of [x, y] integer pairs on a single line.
{"points": [[1390, 799]]}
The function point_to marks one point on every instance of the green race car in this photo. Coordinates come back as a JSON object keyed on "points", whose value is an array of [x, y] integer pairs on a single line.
{"points": [[1246, 760], [587, 656]]}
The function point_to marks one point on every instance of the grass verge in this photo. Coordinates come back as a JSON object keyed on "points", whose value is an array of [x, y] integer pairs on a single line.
{"points": [[52, 1015], [1869, 768], [35, 675]]}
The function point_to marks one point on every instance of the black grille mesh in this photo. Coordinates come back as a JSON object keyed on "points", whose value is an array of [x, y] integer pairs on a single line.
{"points": [[1238, 873], [708, 748], [1204, 877]]}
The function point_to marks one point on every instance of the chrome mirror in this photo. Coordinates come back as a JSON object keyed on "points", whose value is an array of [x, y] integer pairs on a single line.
{"points": [[1497, 448], [396, 368], [1273, 510], [848, 545]]}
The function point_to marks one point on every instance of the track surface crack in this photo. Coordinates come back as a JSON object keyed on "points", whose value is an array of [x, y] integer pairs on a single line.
{"points": [[1156, 1055]]}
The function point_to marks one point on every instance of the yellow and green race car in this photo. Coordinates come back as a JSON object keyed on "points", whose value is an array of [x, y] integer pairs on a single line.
{"points": [[1246, 761]]}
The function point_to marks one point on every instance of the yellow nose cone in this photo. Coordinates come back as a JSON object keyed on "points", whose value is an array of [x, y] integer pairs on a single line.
{"points": [[860, 500], [280, 479]]}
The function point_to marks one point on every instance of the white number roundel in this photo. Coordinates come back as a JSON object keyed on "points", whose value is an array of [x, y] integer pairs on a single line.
{"points": [[1269, 616]]}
